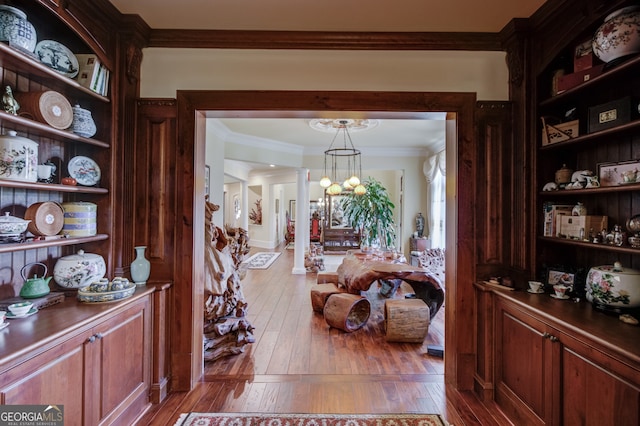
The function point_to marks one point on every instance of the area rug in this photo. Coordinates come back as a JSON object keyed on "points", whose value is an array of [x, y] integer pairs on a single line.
{"points": [[261, 260], [265, 419], [290, 246]]}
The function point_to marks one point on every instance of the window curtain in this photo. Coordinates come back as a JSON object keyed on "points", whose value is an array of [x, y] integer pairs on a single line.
{"points": [[435, 169]]}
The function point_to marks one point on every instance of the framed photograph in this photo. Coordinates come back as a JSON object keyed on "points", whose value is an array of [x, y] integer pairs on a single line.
{"points": [[569, 276], [337, 220], [292, 210], [615, 174], [207, 176]]}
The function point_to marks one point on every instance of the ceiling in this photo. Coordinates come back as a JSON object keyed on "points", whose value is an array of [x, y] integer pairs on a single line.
{"points": [[332, 15]]}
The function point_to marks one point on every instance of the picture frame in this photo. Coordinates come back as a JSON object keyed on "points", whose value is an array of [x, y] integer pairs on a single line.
{"points": [[207, 177], [336, 218], [567, 275], [620, 173], [292, 210]]}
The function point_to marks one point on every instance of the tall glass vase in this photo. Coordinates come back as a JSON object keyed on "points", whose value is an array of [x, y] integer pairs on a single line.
{"points": [[140, 267]]}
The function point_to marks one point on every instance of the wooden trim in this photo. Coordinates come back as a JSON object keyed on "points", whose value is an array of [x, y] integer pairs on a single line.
{"points": [[194, 106], [235, 39]]}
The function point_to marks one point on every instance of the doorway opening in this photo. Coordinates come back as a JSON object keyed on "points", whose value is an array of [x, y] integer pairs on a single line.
{"points": [[193, 110]]}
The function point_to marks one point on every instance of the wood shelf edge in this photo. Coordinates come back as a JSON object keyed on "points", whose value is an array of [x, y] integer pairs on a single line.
{"points": [[31, 245], [48, 130], [595, 246]]}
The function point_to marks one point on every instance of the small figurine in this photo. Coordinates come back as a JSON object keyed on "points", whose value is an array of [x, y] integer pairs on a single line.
{"points": [[420, 224], [9, 102]]}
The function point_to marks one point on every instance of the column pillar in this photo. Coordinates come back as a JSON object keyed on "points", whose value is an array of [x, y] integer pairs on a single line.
{"points": [[302, 225]]}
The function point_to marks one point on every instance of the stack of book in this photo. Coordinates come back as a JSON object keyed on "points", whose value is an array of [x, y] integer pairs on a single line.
{"points": [[92, 74]]}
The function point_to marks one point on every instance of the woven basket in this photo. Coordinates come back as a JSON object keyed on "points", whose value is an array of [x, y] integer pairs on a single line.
{"points": [[48, 107], [47, 218]]}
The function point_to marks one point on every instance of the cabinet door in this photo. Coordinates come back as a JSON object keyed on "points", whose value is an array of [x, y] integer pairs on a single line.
{"points": [[54, 377], [124, 347], [524, 368], [595, 395]]}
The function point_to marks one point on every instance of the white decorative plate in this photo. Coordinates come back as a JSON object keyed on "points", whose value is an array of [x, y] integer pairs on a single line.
{"points": [[84, 170], [57, 57]]}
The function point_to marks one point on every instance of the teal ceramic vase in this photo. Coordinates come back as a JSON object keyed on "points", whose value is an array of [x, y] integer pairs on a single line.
{"points": [[140, 267]]}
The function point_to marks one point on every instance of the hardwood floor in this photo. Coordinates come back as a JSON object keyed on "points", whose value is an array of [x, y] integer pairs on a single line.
{"points": [[299, 364]]}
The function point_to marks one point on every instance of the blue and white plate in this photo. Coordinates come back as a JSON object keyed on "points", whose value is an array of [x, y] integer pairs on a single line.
{"points": [[57, 57]]}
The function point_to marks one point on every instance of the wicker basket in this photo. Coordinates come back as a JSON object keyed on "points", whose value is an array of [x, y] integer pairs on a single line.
{"points": [[47, 218], [48, 107]]}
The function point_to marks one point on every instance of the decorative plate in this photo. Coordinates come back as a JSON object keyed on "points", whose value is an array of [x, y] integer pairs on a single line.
{"points": [[84, 295], [84, 170], [57, 57]]}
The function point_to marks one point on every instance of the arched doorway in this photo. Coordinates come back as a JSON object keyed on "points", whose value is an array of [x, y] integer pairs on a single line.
{"points": [[193, 109]]}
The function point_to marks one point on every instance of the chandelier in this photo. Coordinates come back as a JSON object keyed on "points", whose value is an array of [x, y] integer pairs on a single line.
{"points": [[344, 164]]}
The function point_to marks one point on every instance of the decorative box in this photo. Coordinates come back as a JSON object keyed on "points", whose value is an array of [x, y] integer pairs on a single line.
{"points": [[610, 114], [554, 133], [569, 81], [578, 227], [551, 211], [583, 57]]}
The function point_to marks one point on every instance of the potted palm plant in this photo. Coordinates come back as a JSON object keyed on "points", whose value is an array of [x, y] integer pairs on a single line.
{"points": [[372, 214]]}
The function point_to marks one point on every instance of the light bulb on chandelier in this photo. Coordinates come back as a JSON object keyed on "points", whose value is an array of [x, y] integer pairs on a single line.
{"points": [[345, 160]]}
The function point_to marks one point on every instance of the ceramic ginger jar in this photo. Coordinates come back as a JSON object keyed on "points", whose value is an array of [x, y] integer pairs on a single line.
{"points": [[619, 35], [613, 288], [83, 123], [16, 29], [18, 158], [79, 270]]}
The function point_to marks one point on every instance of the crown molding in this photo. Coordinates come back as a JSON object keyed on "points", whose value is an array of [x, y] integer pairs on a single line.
{"points": [[327, 40]]}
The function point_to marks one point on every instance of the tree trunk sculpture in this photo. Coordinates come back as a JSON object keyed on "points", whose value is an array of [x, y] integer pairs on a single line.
{"points": [[226, 329]]}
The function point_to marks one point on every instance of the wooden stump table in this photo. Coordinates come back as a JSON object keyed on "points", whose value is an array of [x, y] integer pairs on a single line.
{"points": [[357, 274]]}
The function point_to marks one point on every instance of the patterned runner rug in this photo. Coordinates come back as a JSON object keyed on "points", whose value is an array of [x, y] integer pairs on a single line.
{"points": [[261, 260], [265, 419]]}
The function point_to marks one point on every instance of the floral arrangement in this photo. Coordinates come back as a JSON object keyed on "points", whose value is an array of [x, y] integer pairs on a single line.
{"points": [[256, 215]]}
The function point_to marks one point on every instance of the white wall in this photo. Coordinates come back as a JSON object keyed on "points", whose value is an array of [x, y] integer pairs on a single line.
{"points": [[164, 71]]}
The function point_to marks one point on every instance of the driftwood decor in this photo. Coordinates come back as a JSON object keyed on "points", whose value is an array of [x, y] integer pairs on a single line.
{"points": [[226, 329]]}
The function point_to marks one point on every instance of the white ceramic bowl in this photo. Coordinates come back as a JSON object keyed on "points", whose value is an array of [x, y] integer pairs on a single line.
{"points": [[21, 308], [11, 225]]}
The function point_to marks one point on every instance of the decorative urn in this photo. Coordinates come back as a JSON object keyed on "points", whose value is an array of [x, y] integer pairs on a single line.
{"points": [[83, 123], [613, 288], [79, 270], [18, 158], [619, 36], [16, 29]]}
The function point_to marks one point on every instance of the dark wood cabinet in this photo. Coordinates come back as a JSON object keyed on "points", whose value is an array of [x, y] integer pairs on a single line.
{"points": [[96, 361], [553, 369], [340, 239]]}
